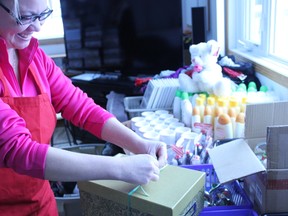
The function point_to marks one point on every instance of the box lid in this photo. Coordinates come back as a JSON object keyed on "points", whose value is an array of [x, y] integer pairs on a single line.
{"points": [[234, 160], [169, 196]]}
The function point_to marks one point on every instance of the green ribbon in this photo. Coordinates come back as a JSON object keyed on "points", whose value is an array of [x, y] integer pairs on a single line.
{"points": [[135, 189]]}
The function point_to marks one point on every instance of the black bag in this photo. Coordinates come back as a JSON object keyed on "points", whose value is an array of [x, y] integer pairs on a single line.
{"points": [[245, 73]]}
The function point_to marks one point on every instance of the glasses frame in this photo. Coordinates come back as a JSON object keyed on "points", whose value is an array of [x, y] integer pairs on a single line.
{"points": [[31, 18]]}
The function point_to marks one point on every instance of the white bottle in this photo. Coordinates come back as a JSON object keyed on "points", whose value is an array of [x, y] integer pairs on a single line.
{"points": [[177, 105], [186, 109], [240, 126], [224, 129]]}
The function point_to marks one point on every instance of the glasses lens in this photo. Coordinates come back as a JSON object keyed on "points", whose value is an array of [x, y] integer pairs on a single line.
{"points": [[45, 15], [25, 20]]}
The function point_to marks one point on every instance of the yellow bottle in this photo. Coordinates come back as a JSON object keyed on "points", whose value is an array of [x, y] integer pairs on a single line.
{"points": [[208, 117], [234, 104], [200, 105], [243, 105], [211, 104], [196, 118], [222, 104]]}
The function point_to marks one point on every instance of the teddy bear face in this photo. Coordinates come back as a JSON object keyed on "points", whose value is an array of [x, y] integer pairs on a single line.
{"points": [[204, 54]]}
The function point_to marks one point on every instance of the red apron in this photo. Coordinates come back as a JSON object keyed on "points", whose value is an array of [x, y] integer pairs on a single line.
{"points": [[21, 194]]}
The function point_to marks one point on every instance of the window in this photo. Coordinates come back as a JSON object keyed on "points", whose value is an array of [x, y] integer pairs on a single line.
{"points": [[261, 27], [257, 31], [53, 26]]}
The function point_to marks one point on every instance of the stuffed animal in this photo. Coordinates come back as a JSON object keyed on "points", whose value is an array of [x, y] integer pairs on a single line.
{"points": [[204, 74]]}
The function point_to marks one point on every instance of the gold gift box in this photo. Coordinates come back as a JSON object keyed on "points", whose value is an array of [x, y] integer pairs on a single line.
{"points": [[179, 191]]}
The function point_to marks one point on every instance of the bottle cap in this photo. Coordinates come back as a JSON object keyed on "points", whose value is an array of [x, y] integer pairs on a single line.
{"points": [[242, 87], [211, 101], [178, 93], [233, 102], [263, 88], [185, 95], [199, 101], [221, 102], [252, 84]]}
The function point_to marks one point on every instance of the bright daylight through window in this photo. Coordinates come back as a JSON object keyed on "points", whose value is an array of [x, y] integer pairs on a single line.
{"points": [[260, 28], [53, 26]]}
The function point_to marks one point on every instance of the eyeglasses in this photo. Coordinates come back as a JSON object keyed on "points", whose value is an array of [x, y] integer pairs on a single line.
{"points": [[26, 20]]}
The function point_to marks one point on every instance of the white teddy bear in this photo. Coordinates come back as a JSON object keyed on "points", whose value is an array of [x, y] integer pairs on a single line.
{"points": [[205, 75]]}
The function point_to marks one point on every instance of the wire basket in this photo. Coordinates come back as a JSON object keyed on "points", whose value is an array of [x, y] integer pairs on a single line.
{"points": [[133, 108]]}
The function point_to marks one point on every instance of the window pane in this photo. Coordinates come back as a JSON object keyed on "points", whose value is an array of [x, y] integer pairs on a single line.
{"points": [[255, 9], [279, 31], [53, 26]]}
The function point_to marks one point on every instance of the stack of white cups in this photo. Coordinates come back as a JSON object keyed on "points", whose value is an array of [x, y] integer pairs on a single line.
{"points": [[159, 125]]}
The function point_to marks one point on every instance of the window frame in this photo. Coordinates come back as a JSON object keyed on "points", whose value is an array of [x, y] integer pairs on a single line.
{"points": [[265, 65]]}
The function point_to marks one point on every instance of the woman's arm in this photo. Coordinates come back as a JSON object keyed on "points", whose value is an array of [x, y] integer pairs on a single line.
{"points": [[62, 165]]}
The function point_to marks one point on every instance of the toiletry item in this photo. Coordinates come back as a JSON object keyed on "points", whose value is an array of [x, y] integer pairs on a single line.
{"points": [[186, 109], [240, 126], [196, 118], [224, 128], [208, 116], [177, 105]]}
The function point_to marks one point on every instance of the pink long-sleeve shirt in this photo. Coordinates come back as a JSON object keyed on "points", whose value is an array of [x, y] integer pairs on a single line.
{"points": [[17, 150]]}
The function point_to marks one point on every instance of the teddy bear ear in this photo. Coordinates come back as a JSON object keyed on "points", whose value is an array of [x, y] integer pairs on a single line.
{"points": [[214, 47]]}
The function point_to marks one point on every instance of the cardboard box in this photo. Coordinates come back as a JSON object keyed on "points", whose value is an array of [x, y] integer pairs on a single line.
{"points": [[260, 116], [267, 187], [179, 191]]}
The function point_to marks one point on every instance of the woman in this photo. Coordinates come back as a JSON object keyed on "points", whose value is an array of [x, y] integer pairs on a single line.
{"points": [[32, 89]]}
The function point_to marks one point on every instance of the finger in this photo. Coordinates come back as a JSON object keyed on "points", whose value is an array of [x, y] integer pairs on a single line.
{"points": [[155, 177]]}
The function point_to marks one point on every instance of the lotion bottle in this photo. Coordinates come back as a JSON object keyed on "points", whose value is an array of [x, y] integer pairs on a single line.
{"points": [[240, 125], [196, 118], [186, 109], [224, 129], [177, 104], [200, 105], [208, 117]]}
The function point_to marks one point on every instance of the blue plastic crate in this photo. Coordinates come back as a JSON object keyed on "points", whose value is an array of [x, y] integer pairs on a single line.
{"points": [[233, 212], [239, 197]]}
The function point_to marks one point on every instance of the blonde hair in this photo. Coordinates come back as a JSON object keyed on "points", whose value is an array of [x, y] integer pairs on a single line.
{"points": [[16, 7]]}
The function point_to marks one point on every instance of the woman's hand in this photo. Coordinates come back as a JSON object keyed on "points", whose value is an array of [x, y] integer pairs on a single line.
{"points": [[139, 169], [156, 149], [116, 133]]}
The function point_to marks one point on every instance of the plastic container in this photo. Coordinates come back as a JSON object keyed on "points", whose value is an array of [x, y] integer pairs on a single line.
{"points": [[239, 197], [234, 212], [132, 106]]}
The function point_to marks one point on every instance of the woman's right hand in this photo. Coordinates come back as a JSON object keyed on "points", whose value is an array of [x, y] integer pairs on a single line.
{"points": [[139, 169]]}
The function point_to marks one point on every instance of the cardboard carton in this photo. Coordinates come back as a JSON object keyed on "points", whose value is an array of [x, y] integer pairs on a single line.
{"points": [[267, 187], [260, 116], [179, 191]]}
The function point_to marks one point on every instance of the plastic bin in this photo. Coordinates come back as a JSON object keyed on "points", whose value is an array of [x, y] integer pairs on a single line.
{"points": [[234, 212], [239, 197], [133, 108]]}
